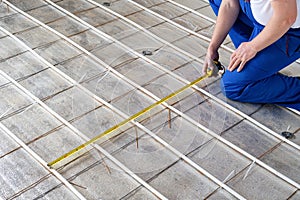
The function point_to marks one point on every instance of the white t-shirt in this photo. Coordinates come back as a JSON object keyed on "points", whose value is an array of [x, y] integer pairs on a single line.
{"points": [[262, 12]]}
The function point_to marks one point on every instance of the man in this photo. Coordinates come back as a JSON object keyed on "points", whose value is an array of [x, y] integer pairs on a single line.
{"points": [[266, 34]]}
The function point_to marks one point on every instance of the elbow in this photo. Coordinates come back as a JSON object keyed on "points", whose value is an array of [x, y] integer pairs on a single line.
{"points": [[286, 17], [231, 4], [293, 15], [285, 12], [291, 19], [287, 21]]}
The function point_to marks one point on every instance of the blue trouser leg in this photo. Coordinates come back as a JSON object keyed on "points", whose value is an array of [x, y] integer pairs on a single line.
{"points": [[259, 81]]}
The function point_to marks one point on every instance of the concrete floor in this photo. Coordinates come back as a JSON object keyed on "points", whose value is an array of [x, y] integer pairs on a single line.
{"points": [[70, 70]]}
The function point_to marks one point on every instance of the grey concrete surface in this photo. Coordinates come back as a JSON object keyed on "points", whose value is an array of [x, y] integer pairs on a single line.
{"points": [[97, 176], [259, 184]]}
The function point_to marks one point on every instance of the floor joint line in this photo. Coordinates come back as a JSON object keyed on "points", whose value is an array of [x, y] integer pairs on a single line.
{"points": [[214, 21], [123, 167], [41, 161], [67, 124], [255, 122], [108, 105]]}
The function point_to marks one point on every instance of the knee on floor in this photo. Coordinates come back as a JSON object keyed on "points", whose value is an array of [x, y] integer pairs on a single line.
{"points": [[232, 90]]}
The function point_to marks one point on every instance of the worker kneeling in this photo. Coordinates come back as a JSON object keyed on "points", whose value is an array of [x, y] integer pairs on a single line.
{"points": [[266, 34]]}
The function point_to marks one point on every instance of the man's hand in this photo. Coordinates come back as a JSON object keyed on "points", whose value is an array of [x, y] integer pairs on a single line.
{"points": [[227, 15], [241, 56], [209, 63], [284, 15]]}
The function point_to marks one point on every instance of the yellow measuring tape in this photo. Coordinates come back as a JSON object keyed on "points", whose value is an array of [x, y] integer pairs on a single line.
{"points": [[108, 131]]}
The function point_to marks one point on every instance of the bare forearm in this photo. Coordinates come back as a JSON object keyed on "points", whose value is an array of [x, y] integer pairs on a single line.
{"points": [[228, 14], [283, 17]]}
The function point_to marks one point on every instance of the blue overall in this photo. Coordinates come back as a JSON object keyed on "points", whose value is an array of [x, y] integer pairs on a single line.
{"points": [[259, 81]]}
